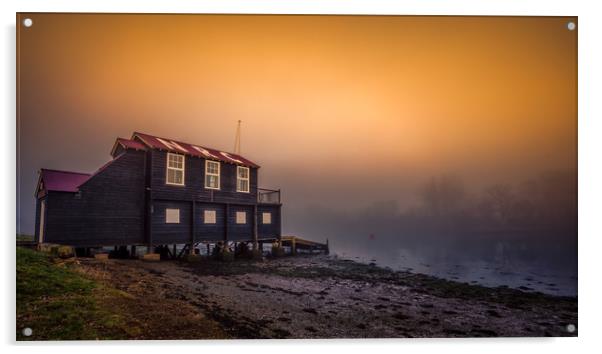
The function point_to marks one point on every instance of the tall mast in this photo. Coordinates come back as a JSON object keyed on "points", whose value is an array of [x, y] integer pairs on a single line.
{"points": [[237, 139]]}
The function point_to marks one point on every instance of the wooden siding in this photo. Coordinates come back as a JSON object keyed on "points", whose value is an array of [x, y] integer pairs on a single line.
{"points": [[272, 230], [108, 210], [164, 233], [194, 182], [210, 232], [240, 232], [124, 204], [37, 221]]}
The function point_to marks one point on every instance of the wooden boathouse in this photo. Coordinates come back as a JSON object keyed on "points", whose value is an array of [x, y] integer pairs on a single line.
{"points": [[156, 192]]}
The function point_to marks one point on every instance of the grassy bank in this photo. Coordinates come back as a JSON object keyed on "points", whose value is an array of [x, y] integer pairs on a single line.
{"points": [[63, 300], [58, 303]]}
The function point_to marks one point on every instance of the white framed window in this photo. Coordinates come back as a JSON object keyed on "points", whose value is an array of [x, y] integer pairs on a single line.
{"points": [[172, 216], [242, 179], [175, 169], [241, 217], [212, 174], [266, 218], [209, 217]]}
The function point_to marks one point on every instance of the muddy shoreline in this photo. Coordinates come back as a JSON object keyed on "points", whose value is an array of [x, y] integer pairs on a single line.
{"points": [[326, 297]]}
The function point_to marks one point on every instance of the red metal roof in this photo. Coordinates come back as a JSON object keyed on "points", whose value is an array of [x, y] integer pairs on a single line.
{"points": [[131, 144], [62, 181], [192, 150], [127, 144]]}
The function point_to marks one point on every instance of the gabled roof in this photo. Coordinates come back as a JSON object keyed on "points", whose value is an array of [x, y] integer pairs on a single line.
{"points": [[127, 144], [179, 147], [62, 181]]}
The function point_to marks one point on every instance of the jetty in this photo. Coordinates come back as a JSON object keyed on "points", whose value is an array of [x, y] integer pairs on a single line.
{"points": [[298, 244]]}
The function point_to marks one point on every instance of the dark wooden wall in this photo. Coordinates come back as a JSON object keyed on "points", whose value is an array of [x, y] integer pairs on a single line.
{"points": [[194, 180], [210, 232], [181, 233], [164, 233], [273, 230], [108, 210], [37, 222]]}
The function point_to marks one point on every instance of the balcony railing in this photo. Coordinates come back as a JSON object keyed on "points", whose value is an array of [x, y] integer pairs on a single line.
{"points": [[268, 196]]}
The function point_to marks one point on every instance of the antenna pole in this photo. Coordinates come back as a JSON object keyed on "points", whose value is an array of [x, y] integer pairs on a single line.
{"points": [[237, 139]]}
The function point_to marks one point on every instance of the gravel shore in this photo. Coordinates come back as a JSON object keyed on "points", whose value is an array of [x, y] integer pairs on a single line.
{"points": [[325, 297]]}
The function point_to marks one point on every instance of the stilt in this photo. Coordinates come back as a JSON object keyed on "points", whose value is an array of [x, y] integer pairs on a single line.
{"points": [[174, 251], [133, 254], [293, 246], [208, 250]]}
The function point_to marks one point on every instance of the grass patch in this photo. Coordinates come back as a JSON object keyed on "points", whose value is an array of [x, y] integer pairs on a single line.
{"points": [[59, 304], [24, 237]]}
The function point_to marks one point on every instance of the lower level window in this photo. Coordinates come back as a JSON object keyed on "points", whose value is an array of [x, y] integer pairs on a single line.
{"points": [[209, 217], [241, 217], [172, 216], [266, 218]]}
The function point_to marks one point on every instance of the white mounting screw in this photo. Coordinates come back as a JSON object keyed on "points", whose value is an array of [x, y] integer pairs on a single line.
{"points": [[571, 328], [27, 22], [571, 26]]}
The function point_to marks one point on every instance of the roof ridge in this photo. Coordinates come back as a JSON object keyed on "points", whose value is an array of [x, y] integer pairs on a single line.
{"points": [[183, 142], [229, 157], [63, 171]]}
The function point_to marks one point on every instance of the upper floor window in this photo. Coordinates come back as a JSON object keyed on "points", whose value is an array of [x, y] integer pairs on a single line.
{"points": [[242, 179], [175, 169], [212, 174]]}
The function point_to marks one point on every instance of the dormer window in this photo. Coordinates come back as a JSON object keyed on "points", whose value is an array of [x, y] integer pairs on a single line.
{"points": [[242, 179], [212, 174], [175, 169]]}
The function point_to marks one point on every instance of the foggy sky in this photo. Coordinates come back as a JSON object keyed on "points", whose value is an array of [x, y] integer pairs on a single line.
{"points": [[340, 111]]}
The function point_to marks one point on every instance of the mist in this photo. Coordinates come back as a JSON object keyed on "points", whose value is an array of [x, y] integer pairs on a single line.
{"points": [[413, 141], [526, 226]]}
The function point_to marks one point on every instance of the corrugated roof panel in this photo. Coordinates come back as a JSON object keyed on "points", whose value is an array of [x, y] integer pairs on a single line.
{"points": [[62, 181], [193, 150]]}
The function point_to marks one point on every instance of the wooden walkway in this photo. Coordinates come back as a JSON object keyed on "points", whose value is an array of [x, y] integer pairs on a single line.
{"points": [[299, 244]]}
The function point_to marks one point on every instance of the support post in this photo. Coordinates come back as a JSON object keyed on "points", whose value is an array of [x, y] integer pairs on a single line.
{"points": [[192, 227], [226, 222], [255, 221]]}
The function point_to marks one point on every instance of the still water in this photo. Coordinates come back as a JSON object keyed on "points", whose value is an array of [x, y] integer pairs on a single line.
{"points": [[495, 268]]}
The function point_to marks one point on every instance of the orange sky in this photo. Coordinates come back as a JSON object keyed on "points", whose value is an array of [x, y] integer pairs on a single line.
{"points": [[329, 104]]}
